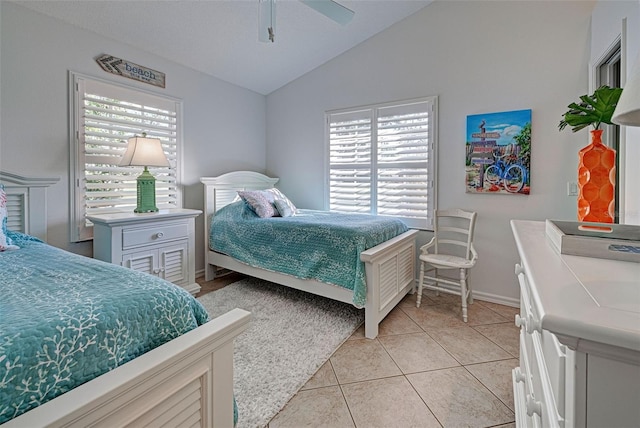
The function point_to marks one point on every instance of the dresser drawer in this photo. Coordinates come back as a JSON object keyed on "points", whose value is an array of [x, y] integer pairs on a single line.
{"points": [[555, 361], [157, 233], [527, 406], [542, 358]]}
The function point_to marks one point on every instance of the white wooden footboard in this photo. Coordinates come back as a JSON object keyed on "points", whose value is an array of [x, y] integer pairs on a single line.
{"points": [[185, 382], [390, 271]]}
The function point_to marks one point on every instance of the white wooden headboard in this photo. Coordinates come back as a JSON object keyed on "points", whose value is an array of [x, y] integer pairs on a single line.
{"points": [[222, 190], [27, 203]]}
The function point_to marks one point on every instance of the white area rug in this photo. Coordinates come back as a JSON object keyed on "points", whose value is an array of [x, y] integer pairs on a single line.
{"points": [[292, 334]]}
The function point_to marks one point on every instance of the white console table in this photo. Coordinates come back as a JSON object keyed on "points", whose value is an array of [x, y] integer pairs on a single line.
{"points": [[160, 243], [579, 339]]}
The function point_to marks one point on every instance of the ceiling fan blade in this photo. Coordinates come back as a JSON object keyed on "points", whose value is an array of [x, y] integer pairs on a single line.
{"points": [[331, 9]]}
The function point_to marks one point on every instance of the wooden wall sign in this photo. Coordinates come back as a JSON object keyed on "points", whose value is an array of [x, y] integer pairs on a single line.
{"points": [[125, 68]]}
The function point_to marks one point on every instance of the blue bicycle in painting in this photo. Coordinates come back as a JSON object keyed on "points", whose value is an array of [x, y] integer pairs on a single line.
{"points": [[506, 171]]}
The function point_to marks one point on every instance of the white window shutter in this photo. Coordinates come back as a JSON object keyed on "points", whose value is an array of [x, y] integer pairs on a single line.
{"points": [[107, 115], [382, 160]]}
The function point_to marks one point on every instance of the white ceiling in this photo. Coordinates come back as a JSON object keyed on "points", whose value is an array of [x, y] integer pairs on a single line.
{"points": [[220, 37]]}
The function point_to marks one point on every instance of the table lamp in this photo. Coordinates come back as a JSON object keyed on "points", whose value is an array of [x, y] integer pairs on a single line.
{"points": [[143, 151]]}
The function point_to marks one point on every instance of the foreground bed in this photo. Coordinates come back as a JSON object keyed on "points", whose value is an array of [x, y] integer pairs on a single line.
{"points": [[187, 380], [389, 266]]}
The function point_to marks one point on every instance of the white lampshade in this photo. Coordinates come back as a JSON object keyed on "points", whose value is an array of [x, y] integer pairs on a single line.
{"points": [[628, 109], [143, 151]]}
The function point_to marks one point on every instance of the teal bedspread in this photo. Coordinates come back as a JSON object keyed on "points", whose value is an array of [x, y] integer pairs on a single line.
{"points": [[319, 245], [66, 319]]}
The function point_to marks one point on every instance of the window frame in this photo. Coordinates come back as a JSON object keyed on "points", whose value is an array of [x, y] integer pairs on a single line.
{"points": [[79, 230], [432, 163]]}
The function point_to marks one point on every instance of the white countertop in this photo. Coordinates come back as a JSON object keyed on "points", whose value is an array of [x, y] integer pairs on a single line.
{"points": [[583, 300]]}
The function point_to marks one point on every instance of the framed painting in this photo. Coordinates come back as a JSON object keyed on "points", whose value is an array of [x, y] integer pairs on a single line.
{"points": [[498, 153]]}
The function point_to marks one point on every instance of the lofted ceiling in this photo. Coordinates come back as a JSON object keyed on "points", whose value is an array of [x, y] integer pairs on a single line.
{"points": [[220, 37]]}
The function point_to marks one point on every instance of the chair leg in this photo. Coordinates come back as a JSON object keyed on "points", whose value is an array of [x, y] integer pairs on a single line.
{"points": [[419, 297], [469, 290], [463, 289], [436, 283]]}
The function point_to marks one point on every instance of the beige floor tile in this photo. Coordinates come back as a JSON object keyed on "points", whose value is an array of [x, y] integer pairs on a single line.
{"points": [[358, 334], [441, 299], [321, 407], [390, 402], [397, 322], [468, 346], [458, 399], [434, 316], [364, 359], [505, 335], [478, 314], [410, 300], [323, 377], [506, 311], [417, 352], [496, 376]]}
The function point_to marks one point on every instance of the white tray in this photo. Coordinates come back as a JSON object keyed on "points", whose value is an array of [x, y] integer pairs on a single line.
{"points": [[599, 240]]}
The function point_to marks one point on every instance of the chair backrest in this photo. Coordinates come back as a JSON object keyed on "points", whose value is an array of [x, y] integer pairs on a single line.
{"points": [[454, 232]]}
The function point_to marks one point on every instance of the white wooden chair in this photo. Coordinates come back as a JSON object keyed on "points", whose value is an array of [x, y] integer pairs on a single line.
{"points": [[450, 248]]}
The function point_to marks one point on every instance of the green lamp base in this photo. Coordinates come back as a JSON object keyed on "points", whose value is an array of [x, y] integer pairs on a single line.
{"points": [[146, 193]]}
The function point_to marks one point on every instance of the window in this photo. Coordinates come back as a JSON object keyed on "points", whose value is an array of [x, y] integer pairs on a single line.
{"points": [[608, 73], [382, 160], [104, 116]]}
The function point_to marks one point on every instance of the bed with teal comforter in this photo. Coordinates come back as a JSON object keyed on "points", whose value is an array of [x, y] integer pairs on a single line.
{"points": [[319, 245], [66, 319]]}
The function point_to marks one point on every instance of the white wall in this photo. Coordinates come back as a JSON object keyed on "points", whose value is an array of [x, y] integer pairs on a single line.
{"points": [[224, 125], [477, 57], [606, 28]]}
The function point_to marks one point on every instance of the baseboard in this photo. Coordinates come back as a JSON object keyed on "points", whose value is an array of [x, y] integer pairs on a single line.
{"points": [[478, 295], [487, 297]]}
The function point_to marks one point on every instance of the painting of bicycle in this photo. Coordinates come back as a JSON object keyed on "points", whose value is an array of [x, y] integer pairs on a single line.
{"points": [[498, 152]]}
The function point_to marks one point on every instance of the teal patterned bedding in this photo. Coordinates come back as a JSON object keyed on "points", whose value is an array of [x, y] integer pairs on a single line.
{"points": [[66, 319], [319, 245]]}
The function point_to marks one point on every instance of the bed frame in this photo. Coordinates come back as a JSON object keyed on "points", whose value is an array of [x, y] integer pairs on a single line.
{"points": [[186, 382], [389, 267]]}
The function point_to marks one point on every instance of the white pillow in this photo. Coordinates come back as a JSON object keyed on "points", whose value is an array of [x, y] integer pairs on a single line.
{"points": [[285, 207]]}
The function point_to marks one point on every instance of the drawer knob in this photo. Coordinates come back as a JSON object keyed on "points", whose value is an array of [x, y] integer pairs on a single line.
{"points": [[519, 269], [519, 375], [533, 406], [159, 235], [520, 321], [532, 324]]}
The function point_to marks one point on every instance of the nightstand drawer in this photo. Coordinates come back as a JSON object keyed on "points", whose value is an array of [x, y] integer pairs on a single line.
{"points": [[159, 232]]}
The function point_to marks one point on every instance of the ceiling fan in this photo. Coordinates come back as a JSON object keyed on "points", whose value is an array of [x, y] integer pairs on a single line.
{"points": [[267, 15]]}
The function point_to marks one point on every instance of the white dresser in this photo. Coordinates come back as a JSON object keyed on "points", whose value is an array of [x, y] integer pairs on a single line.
{"points": [[161, 243], [579, 337]]}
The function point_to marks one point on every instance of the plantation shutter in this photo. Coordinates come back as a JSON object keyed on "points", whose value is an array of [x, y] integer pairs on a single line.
{"points": [[382, 161], [107, 116], [350, 153]]}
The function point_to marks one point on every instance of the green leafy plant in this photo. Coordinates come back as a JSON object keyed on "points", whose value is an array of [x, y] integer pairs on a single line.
{"points": [[593, 110]]}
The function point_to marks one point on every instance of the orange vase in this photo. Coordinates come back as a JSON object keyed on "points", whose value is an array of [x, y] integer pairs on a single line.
{"points": [[596, 181]]}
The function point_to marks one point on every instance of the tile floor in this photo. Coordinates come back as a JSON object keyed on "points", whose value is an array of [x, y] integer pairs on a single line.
{"points": [[426, 368]]}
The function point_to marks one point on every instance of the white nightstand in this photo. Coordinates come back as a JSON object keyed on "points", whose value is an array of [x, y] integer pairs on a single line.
{"points": [[160, 244]]}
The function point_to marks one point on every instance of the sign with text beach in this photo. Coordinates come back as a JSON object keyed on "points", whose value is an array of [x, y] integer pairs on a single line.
{"points": [[125, 68], [498, 152]]}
